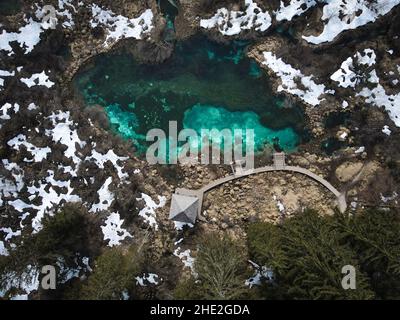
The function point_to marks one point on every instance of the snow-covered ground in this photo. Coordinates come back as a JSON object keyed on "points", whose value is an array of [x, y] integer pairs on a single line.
{"points": [[186, 258], [28, 282], [150, 278], [294, 8], [341, 15], [119, 27], [231, 23], [38, 79], [27, 37], [347, 75], [106, 197], [359, 73], [3, 74], [291, 78], [38, 154], [148, 213], [113, 230]]}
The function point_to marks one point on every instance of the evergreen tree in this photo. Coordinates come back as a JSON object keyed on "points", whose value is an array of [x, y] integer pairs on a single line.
{"points": [[114, 274], [221, 268], [374, 236], [307, 258]]}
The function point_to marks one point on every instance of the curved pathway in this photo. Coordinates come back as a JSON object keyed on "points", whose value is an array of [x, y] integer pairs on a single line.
{"points": [[341, 197]]}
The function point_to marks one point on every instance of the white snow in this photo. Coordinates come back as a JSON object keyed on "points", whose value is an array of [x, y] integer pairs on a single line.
{"points": [[3, 249], [28, 282], [350, 74], [38, 79], [63, 134], [151, 278], [85, 261], [231, 23], [10, 233], [120, 27], [50, 197], [46, 196], [386, 130], [389, 198], [279, 204], [101, 159], [377, 96], [341, 15], [39, 154], [178, 241], [17, 173], [179, 225], [186, 258], [260, 274], [5, 73], [343, 136], [360, 150], [5, 108], [106, 197], [294, 8], [290, 75], [148, 213], [32, 106], [27, 37], [113, 230]]}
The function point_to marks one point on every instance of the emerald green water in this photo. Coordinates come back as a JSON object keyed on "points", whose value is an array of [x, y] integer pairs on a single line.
{"points": [[203, 86]]}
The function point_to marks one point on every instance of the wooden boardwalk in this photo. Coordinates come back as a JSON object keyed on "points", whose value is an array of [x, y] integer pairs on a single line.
{"points": [[279, 165]]}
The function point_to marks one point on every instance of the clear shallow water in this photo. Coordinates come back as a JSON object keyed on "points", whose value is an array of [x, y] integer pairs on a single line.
{"points": [[203, 86]]}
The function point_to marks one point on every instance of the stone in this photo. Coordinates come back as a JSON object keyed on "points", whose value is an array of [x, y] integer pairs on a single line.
{"points": [[348, 170]]}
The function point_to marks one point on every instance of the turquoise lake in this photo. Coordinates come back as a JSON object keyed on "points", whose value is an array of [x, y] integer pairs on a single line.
{"points": [[204, 85]]}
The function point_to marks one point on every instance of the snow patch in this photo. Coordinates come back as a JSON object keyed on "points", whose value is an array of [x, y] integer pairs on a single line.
{"points": [[39, 154], [261, 273], [290, 76], [106, 197], [4, 73], [63, 134], [350, 74], [28, 282], [120, 27], [150, 278], [5, 108], [231, 23], [27, 37], [113, 230], [148, 213], [186, 258], [101, 159], [38, 79], [386, 130], [341, 15], [294, 8]]}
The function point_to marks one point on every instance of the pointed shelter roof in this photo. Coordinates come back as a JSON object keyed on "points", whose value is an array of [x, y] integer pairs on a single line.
{"points": [[183, 208]]}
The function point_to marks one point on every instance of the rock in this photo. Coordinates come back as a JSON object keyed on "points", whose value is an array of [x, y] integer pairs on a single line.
{"points": [[348, 170]]}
